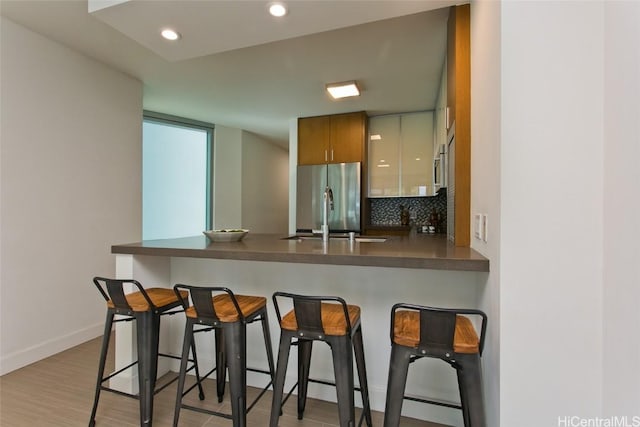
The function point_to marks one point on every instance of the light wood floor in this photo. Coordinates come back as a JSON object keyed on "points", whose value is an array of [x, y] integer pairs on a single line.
{"points": [[58, 392]]}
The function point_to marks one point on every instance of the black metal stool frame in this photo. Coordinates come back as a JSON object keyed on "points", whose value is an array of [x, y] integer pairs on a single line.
{"points": [[231, 352], [437, 329], [147, 333], [309, 318]]}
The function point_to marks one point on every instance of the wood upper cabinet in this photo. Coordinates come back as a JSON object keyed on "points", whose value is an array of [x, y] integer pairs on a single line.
{"points": [[313, 140], [336, 138], [347, 137]]}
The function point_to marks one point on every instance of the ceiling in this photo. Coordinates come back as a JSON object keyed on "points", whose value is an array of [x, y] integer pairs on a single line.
{"points": [[237, 66]]}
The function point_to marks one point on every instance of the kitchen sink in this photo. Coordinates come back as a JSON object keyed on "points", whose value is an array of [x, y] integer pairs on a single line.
{"points": [[361, 239]]}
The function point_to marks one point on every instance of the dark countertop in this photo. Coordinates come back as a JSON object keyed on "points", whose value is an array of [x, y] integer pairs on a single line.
{"points": [[414, 251]]}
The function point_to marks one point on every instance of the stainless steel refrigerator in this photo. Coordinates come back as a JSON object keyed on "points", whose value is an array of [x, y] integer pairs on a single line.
{"points": [[344, 179]]}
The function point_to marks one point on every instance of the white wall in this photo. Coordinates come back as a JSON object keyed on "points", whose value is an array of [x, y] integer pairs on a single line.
{"points": [[70, 187], [551, 201], [250, 182], [621, 282], [227, 177], [293, 173], [554, 164], [265, 185], [485, 179]]}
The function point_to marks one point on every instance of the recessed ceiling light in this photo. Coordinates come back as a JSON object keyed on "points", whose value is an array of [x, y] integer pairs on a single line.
{"points": [[343, 89], [170, 34], [277, 9]]}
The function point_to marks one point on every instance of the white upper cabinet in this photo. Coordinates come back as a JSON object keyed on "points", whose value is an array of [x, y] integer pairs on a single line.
{"points": [[440, 142], [440, 124], [401, 155]]}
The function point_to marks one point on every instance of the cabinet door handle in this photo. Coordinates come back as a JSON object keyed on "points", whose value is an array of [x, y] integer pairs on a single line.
{"points": [[332, 154], [325, 155]]}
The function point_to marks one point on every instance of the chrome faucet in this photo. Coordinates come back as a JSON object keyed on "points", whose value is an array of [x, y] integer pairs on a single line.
{"points": [[327, 200]]}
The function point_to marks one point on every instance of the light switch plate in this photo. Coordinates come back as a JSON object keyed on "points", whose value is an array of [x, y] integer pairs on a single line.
{"points": [[484, 227], [477, 226]]}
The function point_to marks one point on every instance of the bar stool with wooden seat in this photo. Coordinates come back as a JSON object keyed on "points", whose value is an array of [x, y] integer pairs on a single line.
{"points": [[145, 306], [328, 319], [447, 334], [218, 308]]}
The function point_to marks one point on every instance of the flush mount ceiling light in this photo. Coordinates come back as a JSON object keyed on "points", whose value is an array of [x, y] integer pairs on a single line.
{"points": [[343, 89], [277, 9], [170, 34]]}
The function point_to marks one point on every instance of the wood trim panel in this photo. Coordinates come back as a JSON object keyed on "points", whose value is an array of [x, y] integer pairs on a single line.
{"points": [[451, 66], [460, 112]]}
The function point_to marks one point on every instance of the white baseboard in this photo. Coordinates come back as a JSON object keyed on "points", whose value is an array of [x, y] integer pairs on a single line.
{"points": [[27, 356]]}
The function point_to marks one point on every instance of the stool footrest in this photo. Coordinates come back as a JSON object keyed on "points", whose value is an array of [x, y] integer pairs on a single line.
{"points": [[174, 379], [262, 392], [215, 368], [207, 411], [311, 380], [157, 390], [324, 382], [119, 371], [118, 392], [433, 401], [202, 378], [260, 371], [222, 414]]}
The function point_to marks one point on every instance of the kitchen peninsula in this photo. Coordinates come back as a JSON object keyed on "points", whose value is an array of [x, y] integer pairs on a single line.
{"points": [[419, 268], [416, 251]]}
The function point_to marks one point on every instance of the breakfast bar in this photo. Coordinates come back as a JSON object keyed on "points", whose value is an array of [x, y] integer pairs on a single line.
{"points": [[374, 273], [424, 251]]}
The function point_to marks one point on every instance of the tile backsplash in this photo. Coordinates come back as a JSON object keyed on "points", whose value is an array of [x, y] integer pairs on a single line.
{"points": [[386, 211]]}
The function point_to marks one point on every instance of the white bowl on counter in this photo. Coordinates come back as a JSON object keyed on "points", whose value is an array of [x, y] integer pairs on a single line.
{"points": [[226, 234]]}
